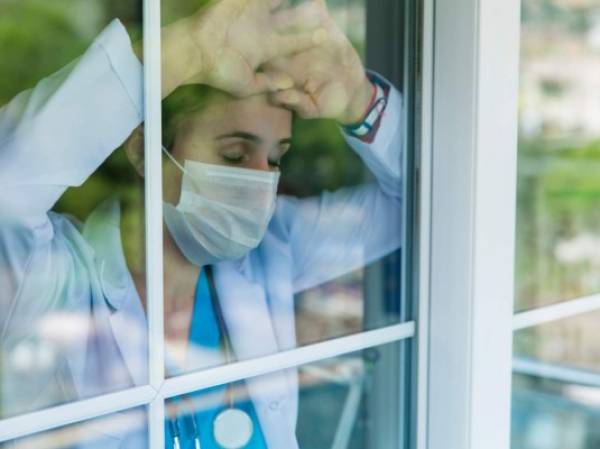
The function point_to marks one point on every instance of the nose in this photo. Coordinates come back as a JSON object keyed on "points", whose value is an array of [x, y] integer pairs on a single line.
{"points": [[259, 162]]}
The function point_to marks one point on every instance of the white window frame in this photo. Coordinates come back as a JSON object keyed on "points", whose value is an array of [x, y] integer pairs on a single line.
{"points": [[471, 127], [159, 388]]}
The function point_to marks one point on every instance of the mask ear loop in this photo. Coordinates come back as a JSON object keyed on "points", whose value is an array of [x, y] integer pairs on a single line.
{"points": [[170, 156], [179, 166]]}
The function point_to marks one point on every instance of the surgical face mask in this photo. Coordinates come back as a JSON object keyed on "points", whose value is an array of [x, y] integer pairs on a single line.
{"points": [[223, 212]]}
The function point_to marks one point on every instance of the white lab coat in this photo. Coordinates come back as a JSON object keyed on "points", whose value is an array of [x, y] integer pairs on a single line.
{"points": [[55, 136]]}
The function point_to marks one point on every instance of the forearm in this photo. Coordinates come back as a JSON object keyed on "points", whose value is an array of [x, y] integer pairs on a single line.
{"points": [[382, 149], [359, 103], [338, 232], [57, 134]]}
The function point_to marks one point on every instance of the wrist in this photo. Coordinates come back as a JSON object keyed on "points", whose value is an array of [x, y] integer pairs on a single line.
{"points": [[366, 129], [359, 104], [181, 56]]}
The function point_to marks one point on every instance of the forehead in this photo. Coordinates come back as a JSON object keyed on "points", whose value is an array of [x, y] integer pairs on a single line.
{"points": [[253, 115]]}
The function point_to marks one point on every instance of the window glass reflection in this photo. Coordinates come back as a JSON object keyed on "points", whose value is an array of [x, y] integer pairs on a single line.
{"points": [[569, 342], [285, 196], [554, 415], [557, 216], [557, 231], [126, 429], [244, 84], [71, 204], [340, 402]]}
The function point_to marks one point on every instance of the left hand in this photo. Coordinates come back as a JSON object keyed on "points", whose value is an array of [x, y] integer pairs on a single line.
{"points": [[224, 42], [329, 79]]}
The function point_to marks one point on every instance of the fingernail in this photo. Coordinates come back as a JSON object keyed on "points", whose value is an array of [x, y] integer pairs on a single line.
{"points": [[282, 82], [319, 36], [291, 98]]}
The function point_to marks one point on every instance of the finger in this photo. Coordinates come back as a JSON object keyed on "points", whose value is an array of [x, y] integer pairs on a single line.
{"points": [[306, 16], [279, 64], [257, 84], [276, 4], [282, 45], [296, 100], [266, 82], [311, 86], [279, 81]]}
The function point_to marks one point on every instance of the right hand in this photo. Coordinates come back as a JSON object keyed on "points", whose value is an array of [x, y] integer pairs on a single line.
{"points": [[224, 44]]}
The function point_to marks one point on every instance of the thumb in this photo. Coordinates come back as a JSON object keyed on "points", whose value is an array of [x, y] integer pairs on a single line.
{"points": [[296, 100], [264, 82]]}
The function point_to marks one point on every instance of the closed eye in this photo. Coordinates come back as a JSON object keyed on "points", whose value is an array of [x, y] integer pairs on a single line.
{"points": [[236, 153]]}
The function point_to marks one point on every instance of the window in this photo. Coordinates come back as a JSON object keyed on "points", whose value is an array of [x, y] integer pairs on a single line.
{"points": [[470, 79], [123, 429], [56, 228], [95, 333], [556, 357]]}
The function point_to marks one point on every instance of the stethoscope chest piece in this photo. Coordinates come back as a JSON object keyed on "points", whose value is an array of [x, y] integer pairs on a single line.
{"points": [[233, 428]]}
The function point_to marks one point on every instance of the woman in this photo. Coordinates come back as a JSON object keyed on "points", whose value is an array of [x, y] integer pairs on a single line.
{"points": [[51, 265]]}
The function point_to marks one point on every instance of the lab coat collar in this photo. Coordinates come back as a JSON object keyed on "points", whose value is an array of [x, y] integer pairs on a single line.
{"points": [[248, 319], [280, 299], [246, 311]]}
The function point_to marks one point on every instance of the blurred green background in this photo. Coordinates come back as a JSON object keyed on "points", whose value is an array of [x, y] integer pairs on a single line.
{"points": [[558, 216], [558, 204], [559, 152]]}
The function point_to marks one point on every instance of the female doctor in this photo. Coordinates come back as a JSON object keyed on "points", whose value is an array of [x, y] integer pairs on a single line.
{"points": [[234, 254]]}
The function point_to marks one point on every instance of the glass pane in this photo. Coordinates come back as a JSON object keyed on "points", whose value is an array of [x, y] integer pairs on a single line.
{"points": [[293, 214], [558, 239], [126, 429], [571, 341], [353, 401], [72, 213], [552, 415], [557, 216]]}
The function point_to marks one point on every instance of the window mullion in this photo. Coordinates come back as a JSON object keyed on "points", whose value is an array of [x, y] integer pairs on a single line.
{"points": [[474, 145], [74, 412], [154, 215], [423, 209], [556, 312], [282, 360]]}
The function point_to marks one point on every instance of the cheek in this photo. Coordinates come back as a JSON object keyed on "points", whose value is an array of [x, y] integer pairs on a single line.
{"points": [[172, 178]]}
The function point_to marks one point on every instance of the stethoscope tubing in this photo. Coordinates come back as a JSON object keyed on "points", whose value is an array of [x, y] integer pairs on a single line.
{"points": [[174, 422]]}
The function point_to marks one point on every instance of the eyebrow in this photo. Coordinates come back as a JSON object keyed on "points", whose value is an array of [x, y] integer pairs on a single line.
{"points": [[251, 137], [241, 135]]}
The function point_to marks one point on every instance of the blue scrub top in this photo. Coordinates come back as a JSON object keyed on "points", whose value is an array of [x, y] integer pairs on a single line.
{"points": [[204, 331]]}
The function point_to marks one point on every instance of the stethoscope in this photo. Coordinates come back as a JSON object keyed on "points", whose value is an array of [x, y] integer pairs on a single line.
{"points": [[232, 428], [176, 434]]}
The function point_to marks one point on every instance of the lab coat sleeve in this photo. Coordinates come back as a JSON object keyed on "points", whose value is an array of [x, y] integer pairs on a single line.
{"points": [[338, 232], [51, 137], [57, 134]]}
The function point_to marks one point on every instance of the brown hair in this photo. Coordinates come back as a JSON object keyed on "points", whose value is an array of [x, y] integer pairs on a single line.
{"points": [[185, 100]]}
